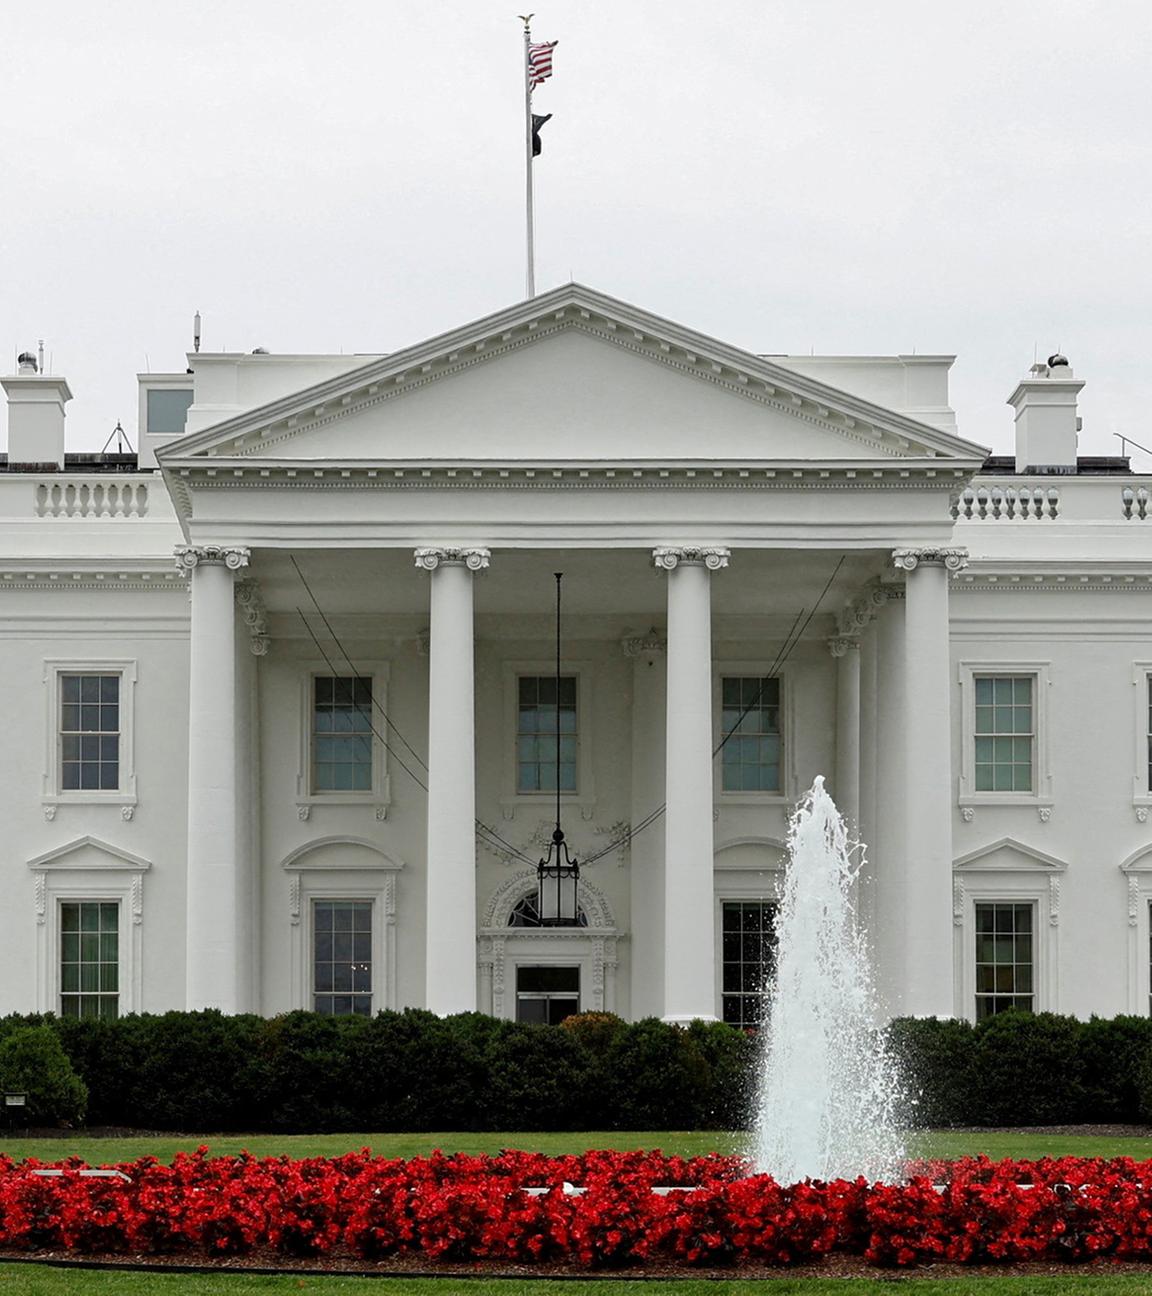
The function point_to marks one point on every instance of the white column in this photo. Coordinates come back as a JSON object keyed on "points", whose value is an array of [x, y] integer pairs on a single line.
{"points": [[689, 931], [451, 914], [927, 972], [891, 793], [213, 956], [846, 780], [646, 854]]}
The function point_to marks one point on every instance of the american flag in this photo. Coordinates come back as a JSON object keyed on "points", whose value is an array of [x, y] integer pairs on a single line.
{"points": [[540, 62]]}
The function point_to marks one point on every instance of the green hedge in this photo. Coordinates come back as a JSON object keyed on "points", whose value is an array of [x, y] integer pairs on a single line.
{"points": [[412, 1071]]}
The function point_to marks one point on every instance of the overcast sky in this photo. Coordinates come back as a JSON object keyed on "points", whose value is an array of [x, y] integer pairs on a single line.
{"points": [[820, 175]]}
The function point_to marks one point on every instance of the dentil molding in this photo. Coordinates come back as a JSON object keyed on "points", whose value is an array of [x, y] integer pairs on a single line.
{"points": [[234, 557], [474, 557], [669, 557], [952, 559]]}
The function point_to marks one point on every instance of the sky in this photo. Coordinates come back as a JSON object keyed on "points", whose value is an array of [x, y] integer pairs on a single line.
{"points": [[820, 175]]}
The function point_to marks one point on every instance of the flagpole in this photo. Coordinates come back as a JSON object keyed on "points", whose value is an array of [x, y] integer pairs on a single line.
{"points": [[531, 241]]}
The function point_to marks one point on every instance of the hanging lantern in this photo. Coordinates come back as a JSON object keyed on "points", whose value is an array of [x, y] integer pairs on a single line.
{"points": [[558, 874]]}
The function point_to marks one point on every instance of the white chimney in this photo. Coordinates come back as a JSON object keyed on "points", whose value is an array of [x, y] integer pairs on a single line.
{"points": [[35, 414], [1046, 419]]}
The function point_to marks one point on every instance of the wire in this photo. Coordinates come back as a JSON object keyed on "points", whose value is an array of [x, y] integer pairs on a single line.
{"points": [[791, 640], [328, 626], [492, 836]]}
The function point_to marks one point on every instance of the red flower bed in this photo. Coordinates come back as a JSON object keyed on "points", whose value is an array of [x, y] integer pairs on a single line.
{"points": [[598, 1210]]}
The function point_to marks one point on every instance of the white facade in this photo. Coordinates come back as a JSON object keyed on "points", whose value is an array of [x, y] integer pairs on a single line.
{"points": [[720, 518]]}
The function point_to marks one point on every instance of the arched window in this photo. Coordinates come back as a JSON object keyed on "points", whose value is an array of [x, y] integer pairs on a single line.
{"points": [[526, 914]]}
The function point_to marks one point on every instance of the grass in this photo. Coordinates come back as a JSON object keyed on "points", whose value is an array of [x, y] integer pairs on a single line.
{"points": [[21, 1280], [937, 1143]]}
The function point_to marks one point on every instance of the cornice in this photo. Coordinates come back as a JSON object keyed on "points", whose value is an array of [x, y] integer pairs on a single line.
{"points": [[241, 474], [1055, 576], [80, 575]]}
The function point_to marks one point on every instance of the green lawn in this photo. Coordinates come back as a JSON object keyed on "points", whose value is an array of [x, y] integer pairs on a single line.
{"points": [[22, 1280], [943, 1143]]}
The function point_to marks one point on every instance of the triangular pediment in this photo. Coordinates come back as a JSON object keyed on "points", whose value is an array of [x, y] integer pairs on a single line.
{"points": [[571, 375], [1008, 856], [89, 853]]}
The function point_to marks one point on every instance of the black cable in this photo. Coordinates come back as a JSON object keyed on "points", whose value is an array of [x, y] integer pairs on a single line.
{"points": [[348, 660], [782, 656], [493, 835]]}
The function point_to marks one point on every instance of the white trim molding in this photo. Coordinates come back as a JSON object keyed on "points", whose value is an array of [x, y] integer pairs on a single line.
{"points": [[341, 868], [87, 868], [513, 801], [1141, 721], [1042, 783], [52, 795], [379, 796], [1136, 871], [1008, 871], [747, 668]]}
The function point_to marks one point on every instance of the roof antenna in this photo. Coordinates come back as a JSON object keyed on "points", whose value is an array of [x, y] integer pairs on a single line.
{"points": [[123, 445], [196, 332]]}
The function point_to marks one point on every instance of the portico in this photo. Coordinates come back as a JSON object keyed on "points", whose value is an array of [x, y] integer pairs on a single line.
{"points": [[719, 520]]}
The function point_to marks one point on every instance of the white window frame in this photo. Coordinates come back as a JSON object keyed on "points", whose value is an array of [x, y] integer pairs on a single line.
{"points": [[1007, 872], [1142, 691], [584, 798], [745, 868], [379, 795], [1136, 871], [342, 868], [88, 869], [52, 794], [788, 791], [1042, 790]]}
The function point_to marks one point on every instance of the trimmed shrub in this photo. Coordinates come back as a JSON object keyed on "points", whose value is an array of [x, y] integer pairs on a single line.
{"points": [[33, 1062], [1115, 1053], [935, 1056], [1026, 1070]]}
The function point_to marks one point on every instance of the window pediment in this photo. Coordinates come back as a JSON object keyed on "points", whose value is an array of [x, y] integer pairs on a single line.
{"points": [[89, 853], [1008, 855]]}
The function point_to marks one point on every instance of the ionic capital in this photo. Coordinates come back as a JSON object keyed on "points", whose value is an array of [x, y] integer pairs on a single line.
{"points": [[189, 557], [669, 557], [475, 558], [952, 560], [643, 645], [841, 645]]}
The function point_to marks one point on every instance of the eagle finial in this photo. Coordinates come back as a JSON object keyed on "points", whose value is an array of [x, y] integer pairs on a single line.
{"points": [[525, 19]]}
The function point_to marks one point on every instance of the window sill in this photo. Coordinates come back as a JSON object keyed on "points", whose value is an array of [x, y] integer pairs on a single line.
{"points": [[373, 800], [752, 799], [126, 801], [1030, 799], [547, 801]]}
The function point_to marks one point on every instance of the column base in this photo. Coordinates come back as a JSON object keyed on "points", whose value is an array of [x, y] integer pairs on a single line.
{"points": [[686, 1019]]}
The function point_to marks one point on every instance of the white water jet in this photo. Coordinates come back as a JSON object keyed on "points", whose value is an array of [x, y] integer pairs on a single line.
{"points": [[828, 1090]]}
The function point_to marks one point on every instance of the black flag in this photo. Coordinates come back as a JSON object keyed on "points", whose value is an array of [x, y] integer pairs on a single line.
{"points": [[537, 122]]}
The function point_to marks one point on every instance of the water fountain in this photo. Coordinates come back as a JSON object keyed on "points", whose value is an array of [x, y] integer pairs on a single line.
{"points": [[828, 1091]]}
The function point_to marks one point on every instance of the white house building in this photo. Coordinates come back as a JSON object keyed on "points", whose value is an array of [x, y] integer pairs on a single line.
{"points": [[281, 707]]}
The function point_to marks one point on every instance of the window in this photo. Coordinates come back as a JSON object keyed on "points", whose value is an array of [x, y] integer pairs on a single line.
{"points": [[526, 913], [341, 734], [1004, 957], [89, 732], [1004, 733], [543, 714], [342, 957], [168, 410], [750, 712], [546, 995], [89, 958], [748, 959]]}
